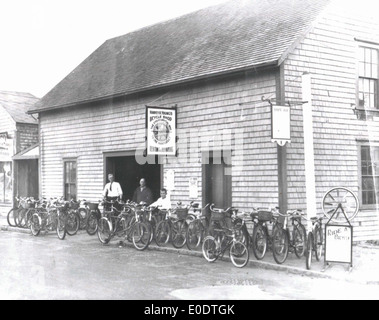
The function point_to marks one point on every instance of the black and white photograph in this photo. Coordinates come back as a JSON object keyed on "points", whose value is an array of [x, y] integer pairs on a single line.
{"points": [[189, 155]]}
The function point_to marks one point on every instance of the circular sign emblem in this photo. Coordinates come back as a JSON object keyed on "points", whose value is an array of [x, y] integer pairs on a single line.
{"points": [[161, 131]]}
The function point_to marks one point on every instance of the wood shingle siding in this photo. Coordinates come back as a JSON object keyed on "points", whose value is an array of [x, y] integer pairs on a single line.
{"points": [[328, 53], [216, 77], [211, 109]]}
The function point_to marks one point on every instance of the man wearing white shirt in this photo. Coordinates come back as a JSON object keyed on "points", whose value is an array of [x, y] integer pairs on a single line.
{"points": [[112, 190], [163, 202]]}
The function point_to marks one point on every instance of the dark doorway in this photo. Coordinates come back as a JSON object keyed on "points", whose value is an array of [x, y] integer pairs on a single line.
{"points": [[128, 173], [26, 178], [217, 186]]}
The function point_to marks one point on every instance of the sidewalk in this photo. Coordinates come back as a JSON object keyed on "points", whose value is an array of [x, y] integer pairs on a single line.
{"points": [[365, 260]]}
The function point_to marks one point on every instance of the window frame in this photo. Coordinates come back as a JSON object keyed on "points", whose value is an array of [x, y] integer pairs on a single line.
{"points": [[372, 46], [360, 195], [65, 161]]}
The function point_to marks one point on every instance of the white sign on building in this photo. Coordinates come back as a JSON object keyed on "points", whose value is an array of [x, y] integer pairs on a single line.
{"points": [[281, 124], [161, 131]]}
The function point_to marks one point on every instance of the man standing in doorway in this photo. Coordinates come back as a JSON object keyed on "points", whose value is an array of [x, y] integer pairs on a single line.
{"points": [[112, 190], [143, 194]]}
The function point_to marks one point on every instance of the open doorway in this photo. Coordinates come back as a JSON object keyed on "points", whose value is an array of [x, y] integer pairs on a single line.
{"points": [[128, 173], [217, 181]]}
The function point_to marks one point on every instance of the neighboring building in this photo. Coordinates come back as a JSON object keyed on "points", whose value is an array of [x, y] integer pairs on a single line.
{"points": [[214, 66], [18, 132]]}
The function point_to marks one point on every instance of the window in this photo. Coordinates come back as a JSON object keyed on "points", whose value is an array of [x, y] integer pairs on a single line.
{"points": [[368, 78], [70, 179], [369, 175]]}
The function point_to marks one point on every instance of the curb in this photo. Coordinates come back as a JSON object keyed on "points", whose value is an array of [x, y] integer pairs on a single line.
{"points": [[251, 263], [14, 229]]}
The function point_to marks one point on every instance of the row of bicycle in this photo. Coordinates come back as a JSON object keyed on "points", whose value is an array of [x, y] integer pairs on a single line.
{"points": [[210, 229]]}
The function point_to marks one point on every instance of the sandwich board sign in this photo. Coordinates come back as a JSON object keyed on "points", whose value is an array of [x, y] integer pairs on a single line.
{"points": [[338, 243], [339, 240]]}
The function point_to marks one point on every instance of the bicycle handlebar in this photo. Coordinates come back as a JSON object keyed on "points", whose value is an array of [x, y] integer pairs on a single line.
{"points": [[213, 209]]}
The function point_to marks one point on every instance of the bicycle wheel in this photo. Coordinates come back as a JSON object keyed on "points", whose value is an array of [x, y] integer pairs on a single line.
{"points": [[163, 233], [308, 251], [318, 242], [259, 241], [23, 218], [104, 230], [10, 217], [35, 224], [83, 215], [179, 232], [336, 196], [19, 217], [239, 254], [242, 234], [91, 224], [141, 236], [194, 235], [209, 249], [299, 236], [61, 226], [72, 223], [152, 225], [28, 217], [280, 245]]}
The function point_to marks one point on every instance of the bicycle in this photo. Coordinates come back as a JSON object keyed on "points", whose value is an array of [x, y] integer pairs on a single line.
{"points": [[61, 208], [173, 227], [17, 211], [314, 241], [262, 239], [83, 212], [123, 223], [284, 240], [73, 217], [214, 247], [93, 218], [148, 216], [23, 214], [197, 229], [48, 218]]}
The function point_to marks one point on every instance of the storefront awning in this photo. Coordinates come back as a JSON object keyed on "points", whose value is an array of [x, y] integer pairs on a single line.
{"points": [[30, 153]]}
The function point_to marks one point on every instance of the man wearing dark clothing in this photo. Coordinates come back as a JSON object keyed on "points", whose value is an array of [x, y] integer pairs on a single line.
{"points": [[143, 193]]}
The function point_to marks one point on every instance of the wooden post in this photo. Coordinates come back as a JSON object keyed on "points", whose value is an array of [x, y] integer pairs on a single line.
{"points": [[310, 184], [282, 150]]}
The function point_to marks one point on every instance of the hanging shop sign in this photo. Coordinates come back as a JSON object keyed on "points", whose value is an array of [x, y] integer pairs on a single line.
{"points": [[281, 124], [161, 131], [6, 147]]}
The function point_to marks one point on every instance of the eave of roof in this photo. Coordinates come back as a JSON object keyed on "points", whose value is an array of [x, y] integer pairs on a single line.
{"points": [[273, 63]]}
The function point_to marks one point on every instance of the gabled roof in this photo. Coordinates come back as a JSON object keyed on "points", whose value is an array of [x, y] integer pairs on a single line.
{"points": [[232, 36], [16, 104]]}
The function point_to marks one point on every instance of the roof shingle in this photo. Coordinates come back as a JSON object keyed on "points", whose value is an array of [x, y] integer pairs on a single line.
{"points": [[17, 104], [234, 35]]}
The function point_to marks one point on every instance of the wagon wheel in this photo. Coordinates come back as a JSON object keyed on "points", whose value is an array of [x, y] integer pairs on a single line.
{"points": [[338, 199]]}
